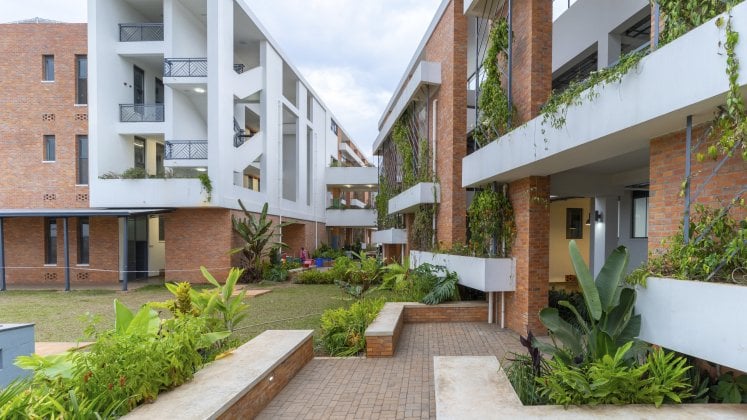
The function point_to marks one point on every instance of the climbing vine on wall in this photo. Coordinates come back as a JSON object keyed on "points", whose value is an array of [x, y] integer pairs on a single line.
{"points": [[491, 218], [681, 16], [495, 114]]}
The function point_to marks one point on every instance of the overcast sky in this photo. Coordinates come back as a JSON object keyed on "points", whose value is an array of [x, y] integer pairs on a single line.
{"points": [[352, 52]]}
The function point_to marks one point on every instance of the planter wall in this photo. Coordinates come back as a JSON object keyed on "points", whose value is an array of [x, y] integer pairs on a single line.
{"points": [[701, 319], [486, 274]]}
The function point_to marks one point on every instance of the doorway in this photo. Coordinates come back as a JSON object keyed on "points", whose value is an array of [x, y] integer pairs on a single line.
{"points": [[137, 248]]}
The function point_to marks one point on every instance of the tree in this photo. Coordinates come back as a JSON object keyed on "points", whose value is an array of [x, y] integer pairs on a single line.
{"points": [[257, 234]]}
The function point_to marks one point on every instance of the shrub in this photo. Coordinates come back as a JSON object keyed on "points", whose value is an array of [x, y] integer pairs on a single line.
{"points": [[341, 268], [343, 330], [314, 277], [576, 299], [611, 380], [277, 274]]}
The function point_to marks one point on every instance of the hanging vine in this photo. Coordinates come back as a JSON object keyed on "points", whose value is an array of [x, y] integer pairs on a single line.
{"points": [[491, 218], [495, 115]]}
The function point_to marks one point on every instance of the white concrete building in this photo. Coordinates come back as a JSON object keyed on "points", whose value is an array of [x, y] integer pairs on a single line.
{"points": [[196, 99]]}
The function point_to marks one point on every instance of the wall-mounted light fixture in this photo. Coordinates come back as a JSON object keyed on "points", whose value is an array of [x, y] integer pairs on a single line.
{"points": [[597, 216]]}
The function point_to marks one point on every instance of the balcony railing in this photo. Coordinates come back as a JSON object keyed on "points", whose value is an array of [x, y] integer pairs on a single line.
{"points": [[141, 113], [186, 150], [239, 68], [136, 32], [185, 67]]}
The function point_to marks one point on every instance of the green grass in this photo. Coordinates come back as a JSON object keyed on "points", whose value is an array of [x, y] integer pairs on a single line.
{"points": [[60, 316]]}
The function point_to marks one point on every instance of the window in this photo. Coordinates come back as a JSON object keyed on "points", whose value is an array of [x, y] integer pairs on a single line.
{"points": [[334, 127], [81, 79], [309, 107], [82, 160], [48, 68], [574, 228], [160, 150], [139, 146], [161, 228], [138, 85], [159, 91], [640, 214], [50, 241], [309, 165], [49, 152], [84, 234]]}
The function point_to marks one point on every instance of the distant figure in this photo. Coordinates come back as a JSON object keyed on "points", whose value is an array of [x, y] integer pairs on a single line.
{"points": [[304, 254]]}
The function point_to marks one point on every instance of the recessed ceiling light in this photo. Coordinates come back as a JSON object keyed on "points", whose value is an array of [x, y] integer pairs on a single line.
{"points": [[199, 90], [201, 169]]}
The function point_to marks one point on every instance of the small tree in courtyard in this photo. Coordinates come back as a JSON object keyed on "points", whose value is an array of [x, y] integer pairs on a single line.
{"points": [[257, 234]]}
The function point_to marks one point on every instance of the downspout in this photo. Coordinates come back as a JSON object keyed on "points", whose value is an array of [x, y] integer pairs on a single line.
{"points": [[280, 169], [2, 258], [688, 157], [657, 17], [433, 152], [313, 196]]}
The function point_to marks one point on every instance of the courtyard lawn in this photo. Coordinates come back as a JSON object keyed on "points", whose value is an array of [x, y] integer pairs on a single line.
{"points": [[61, 316]]}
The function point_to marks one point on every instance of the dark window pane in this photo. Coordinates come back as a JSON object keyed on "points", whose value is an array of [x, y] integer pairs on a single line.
{"points": [[49, 148], [139, 150], [81, 82], [574, 228], [82, 160], [640, 214], [161, 229], [48, 68], [50, 241], [84, 234]]}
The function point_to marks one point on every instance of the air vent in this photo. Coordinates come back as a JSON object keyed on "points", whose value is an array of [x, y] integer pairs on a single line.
{"points": [[50, 276], [47, 117], [81, 197], [81, 117], [50, 197], [82, 276]]}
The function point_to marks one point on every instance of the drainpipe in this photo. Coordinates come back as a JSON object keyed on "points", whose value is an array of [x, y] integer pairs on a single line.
{"points": [[491, 306], [503, 309], [657, 18], [433, 148], [67, 254], [125, 256], [2, 258], [688, 153]]}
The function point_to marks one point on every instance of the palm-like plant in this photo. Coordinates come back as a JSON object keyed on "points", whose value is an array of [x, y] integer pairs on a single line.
{"points": [[257, 234]]}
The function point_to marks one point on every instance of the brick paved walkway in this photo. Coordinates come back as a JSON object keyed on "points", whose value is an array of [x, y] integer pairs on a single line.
{"points": [[395, 388]]}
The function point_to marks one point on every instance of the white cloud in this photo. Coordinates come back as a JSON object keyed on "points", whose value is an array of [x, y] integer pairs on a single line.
{"points": [[61, 10]]}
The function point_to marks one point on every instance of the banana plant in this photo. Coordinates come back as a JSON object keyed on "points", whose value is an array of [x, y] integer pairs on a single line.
{"points": [[257, 235], [221, 299], [611, 322]]}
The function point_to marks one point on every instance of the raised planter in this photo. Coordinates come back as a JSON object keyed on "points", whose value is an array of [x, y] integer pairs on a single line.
{"points": [[486, 274], [701, 319], [15, 340]]}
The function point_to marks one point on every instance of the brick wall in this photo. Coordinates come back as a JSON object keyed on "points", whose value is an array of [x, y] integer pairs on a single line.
{"points": [[198, 237], [25, 100], [252, 403], [530, 199], [24, 247], [459, 312], [448, 45], [667, 171]]}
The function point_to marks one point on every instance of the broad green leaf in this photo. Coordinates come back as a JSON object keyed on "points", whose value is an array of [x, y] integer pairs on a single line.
{"points": [[209, 277], [581, 321], [145, 322], [609, 280], [588, 288], [615, 321], [122, 317], [208, 339], [562, 330]]}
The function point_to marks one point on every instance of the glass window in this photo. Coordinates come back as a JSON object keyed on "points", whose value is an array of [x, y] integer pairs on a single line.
{"points": [[161, 228], [49, 149], [81, 80], [640, 214], [84, 234], [82, 160], [574, 228], [48, 68], [50, 241], [139, 152]]}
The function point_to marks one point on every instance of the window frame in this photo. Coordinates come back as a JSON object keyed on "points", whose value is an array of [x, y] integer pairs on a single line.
{"points": [[50, 241], [637, 195], [574, 216], [48, 139], [46, 77], [84, 242], [78, 80], [79, 160]]}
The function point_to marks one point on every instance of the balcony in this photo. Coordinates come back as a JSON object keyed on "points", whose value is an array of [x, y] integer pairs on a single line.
{"points": [[351, 218], [409, 200], [139, 32], [185, 67], [390, 237], [175, 192], [140, 113], [186, 150], [347, 177]]}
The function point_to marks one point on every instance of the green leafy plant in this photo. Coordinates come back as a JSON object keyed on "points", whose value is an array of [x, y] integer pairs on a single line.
{"points": [[491, 216], [221, 301], [343, 330], [716, 251], [574, 298], [207, 186], [523, 371], [257, 234], [134, 173], [444, 284], [731, 389], [612, 380], [496, 116], [315, 277], [276, 274], [610, 323]]}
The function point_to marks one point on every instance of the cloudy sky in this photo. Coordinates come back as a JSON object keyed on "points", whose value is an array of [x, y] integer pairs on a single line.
{"points": [[352, 52]]}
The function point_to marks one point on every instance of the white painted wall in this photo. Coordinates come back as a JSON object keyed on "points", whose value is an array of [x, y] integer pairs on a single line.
{"points": [[186, 34]]}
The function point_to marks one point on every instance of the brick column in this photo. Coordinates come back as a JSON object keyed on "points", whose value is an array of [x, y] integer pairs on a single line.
{"points": [[530, 198]]}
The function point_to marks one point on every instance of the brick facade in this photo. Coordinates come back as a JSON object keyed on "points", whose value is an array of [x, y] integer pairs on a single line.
{"points": [[530, 198], [448, 45], [667, 171]]}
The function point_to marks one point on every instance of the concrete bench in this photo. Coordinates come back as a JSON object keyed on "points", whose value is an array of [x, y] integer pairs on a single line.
{"points": [[239, 385], [384, 331], [475, 387]]}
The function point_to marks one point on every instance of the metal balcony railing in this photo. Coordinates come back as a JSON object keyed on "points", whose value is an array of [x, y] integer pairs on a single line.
{"points": [[185, 67], [141, 113], [239, 68], [136, 32], [186, 150], [240, 136]]}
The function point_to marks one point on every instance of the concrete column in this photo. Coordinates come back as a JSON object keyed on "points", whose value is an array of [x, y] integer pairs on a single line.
{"points": [[530, 198]]}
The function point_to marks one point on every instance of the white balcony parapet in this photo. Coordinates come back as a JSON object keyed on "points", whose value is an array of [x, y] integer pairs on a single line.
{"points": [[353, 176], [426, 73], [669, 318], [422, 193], [486, 274], [174, 192], [390, 237], [348, 150], [685, 77], [351, 218]]}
